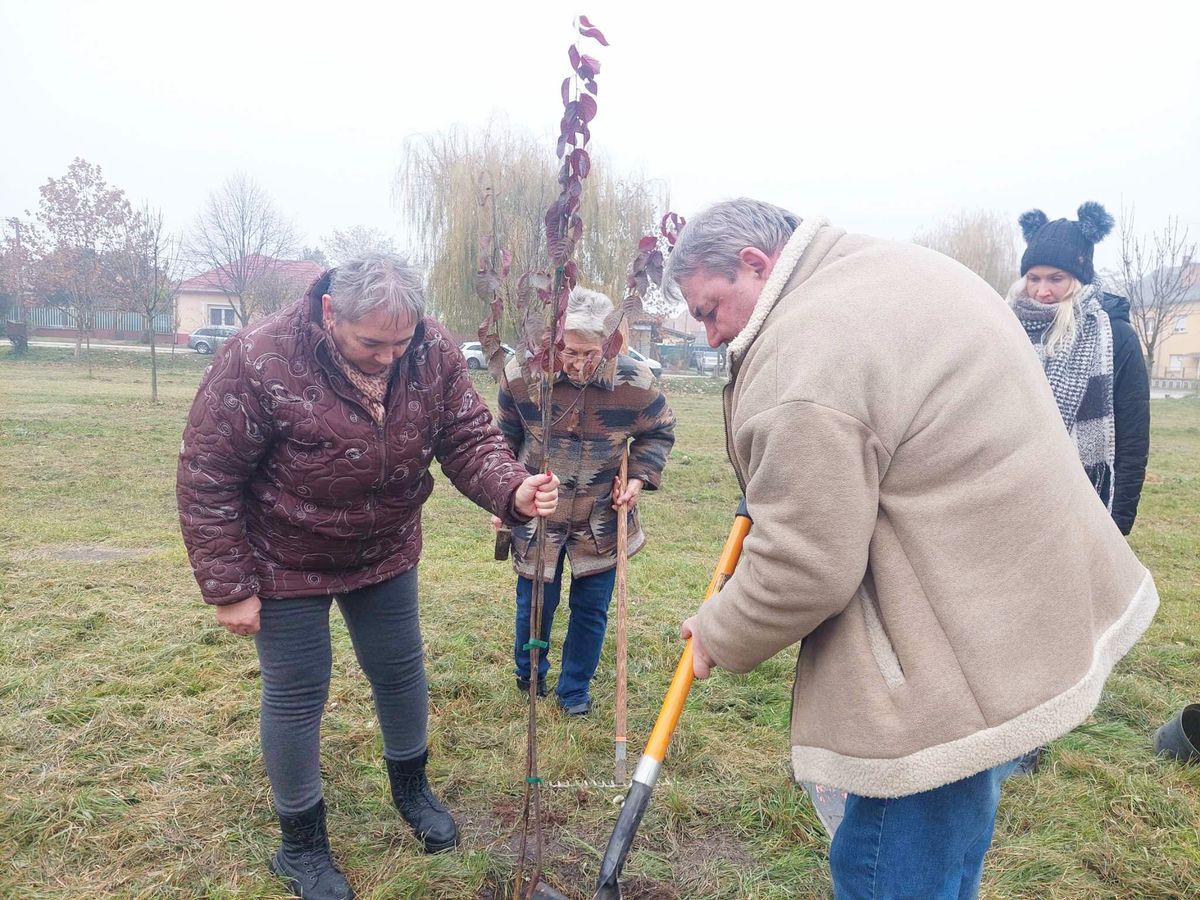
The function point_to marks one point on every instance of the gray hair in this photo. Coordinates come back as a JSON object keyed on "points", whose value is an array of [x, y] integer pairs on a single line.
{"points": [[586, 312], [712, 240], [377, 281]]}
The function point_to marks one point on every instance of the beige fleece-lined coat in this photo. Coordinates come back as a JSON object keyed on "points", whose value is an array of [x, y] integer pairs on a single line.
{"points": [[921, 522]]}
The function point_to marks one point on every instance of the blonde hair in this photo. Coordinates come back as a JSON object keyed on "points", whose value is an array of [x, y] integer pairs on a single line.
{"points": [[1061, 334]]}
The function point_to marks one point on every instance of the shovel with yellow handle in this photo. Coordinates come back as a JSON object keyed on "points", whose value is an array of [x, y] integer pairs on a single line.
{"points": [[646, 774]]}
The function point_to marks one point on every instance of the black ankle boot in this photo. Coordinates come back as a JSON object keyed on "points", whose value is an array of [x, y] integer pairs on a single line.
{"points": [[423, 812], [304, 858]]}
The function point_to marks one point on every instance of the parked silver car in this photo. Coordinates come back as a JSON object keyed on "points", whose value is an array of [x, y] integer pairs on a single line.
{"points": [[210, 337], [474, 354], [654, 364]]}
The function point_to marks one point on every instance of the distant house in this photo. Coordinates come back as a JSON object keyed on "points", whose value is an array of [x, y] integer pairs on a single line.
{"points": [[203, 302], [1178, 355]]}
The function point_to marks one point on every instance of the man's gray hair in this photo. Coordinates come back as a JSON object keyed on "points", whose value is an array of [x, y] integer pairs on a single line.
{"points": [[712, 240], [586, 312], [377, 281]]}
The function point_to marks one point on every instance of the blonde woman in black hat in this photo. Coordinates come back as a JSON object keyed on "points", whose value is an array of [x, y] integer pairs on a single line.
{"points": [[1090, 352]]}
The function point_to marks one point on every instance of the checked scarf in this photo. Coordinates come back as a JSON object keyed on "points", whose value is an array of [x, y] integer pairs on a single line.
{"points": [[1081, 377]]}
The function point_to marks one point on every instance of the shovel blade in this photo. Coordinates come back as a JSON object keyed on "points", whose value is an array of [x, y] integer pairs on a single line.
{"points": [[636, 801], [543, 891]]}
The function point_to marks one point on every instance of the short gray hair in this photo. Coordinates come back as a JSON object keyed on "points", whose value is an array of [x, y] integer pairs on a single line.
{"points": [[712, 240], [377, 281], [586, 312]]}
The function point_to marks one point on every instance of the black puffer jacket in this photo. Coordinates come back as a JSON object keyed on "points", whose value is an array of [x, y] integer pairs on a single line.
{"points": [[1131, 411]]}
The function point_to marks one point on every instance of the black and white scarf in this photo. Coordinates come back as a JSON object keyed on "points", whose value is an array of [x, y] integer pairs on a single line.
{"points": [[1081, 377]]}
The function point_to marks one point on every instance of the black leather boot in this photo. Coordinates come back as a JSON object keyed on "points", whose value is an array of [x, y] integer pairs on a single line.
{"points": [[423, 812], [304, 859]]}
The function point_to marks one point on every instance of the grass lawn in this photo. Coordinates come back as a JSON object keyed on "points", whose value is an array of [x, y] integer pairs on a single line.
{"points": [[129, 762]]}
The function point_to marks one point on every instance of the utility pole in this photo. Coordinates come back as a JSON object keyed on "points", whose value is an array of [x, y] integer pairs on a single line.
{"points": [[19, 316]]}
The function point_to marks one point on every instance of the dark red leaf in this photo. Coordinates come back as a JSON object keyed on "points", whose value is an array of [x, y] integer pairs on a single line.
{"points": [[562, 145], [591, 86], [486, 286], [672, 224], [649, 242], [556, 233], [591, 62], [587, 108], [566, 91], [573, 55], [654, 267], [588, 30], [586, 73], [582, 163]]}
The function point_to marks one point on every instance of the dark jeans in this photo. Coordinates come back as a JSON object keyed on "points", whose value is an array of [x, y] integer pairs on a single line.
{"points": [[590, 596], [295, 658], [927, 846]]}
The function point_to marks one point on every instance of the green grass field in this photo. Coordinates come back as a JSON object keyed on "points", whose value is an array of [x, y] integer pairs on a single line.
{"points": [[129, 760]]}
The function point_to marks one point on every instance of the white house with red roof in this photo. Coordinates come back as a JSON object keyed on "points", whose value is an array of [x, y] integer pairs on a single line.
{"points": [[205, 299]]}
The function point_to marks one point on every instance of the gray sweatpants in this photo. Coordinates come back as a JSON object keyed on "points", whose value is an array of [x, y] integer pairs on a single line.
{"points": [[295, 658]]}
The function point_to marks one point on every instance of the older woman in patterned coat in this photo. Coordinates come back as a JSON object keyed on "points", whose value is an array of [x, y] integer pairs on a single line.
{"points": [[598, 406], [304, 466]]}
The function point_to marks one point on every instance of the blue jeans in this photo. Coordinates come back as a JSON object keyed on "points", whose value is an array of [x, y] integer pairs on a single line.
{"points": [[590, 597], [927, 846]]}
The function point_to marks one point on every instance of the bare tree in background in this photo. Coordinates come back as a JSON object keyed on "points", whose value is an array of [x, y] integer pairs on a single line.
{"points": [[1155, 276], [276, 288], [982, 240], [147, 276], [315, 254], [240, 237], [437, 189], [350, 243]]}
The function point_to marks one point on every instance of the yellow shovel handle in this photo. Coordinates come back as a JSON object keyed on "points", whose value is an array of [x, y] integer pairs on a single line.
{"points": [[681, 683]]}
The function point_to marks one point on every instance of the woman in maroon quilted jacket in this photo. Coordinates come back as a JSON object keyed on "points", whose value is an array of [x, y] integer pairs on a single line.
{"points": [[304, 465]]}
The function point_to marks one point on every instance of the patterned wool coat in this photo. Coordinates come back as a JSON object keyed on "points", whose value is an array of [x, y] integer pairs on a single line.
{"points": [[591, 426], [288, 488]]}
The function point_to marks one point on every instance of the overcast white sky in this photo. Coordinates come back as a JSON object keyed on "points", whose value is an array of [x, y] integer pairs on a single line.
{"points": [[886, 117]]}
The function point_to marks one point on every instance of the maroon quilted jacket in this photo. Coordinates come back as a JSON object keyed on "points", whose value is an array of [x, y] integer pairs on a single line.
{"points": [[286, 486]]}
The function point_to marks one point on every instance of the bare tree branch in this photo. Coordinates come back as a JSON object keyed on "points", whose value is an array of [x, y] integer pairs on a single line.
{"points": [[240, 237], [1154, 275], [983, 241]]}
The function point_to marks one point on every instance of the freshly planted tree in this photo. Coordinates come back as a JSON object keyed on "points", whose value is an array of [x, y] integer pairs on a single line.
{"points": [[536, 310], [146, 276]]}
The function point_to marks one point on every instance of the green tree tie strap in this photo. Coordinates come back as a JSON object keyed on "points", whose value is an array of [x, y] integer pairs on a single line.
{"points": [[529, 645]]}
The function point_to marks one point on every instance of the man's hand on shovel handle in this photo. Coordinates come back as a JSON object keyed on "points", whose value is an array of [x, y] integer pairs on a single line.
{"points": [[702, 663]]}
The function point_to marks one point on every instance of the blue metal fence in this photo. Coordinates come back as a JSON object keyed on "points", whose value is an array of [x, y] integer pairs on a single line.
{"points": [[104, 320]]}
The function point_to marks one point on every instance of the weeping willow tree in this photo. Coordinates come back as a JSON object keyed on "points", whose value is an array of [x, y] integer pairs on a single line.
{"points": [[437, 191]]}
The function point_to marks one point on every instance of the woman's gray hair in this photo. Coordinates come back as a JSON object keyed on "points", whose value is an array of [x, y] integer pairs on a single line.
{"points": [[712, 240], [586, 312], [377, 281]]}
